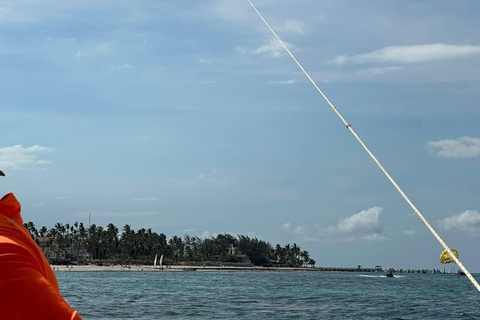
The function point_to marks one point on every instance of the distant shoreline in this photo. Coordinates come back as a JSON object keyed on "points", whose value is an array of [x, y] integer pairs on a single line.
{"points": [[170, 268], [151, 268]]}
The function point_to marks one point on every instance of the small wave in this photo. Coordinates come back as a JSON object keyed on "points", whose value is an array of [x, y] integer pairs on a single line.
{"points": [[292, 308], [297, 308], [379, 276]]}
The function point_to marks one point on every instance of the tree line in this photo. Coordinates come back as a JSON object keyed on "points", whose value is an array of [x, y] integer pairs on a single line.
{"points": [[108, 243]]}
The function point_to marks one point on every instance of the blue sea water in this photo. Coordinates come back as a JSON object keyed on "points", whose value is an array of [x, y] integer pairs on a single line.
{"points": [[268, 295]]}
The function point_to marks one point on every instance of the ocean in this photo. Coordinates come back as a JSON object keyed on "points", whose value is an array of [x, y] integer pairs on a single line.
{"points": [[109, 295]]}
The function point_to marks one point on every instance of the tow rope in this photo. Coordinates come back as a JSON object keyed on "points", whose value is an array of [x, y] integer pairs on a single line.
{"points": [[349, 127]]}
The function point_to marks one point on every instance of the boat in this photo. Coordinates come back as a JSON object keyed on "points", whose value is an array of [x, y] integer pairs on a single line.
{"points": [[389, 273]]}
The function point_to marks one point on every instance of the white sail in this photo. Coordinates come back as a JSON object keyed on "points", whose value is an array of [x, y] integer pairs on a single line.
{"points": [[155, 261], [161, 260]]}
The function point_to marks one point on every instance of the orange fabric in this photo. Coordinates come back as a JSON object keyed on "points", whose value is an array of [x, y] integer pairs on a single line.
{"points": [[10, 207], [28, 286]]}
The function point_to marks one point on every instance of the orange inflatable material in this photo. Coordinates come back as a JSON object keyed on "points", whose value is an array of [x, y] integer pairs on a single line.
{"points": [[28, 286]]}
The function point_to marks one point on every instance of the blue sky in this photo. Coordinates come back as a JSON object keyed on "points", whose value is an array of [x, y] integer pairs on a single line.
{"points": [[188, 117]]}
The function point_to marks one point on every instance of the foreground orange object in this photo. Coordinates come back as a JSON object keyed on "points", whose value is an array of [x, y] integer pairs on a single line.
{"points": [[28, 286]]}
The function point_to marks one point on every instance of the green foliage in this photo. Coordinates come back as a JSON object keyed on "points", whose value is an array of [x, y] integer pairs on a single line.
{"points": [[108, 244]]}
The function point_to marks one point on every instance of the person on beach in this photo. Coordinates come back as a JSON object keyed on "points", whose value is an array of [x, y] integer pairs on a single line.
{"points": [[28, 286]]}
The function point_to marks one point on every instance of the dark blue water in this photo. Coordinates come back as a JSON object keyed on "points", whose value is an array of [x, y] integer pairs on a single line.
{"points": [[268, 295]]}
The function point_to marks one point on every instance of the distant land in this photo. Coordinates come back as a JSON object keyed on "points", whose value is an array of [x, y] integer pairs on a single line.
{"points": [[75, 244]]}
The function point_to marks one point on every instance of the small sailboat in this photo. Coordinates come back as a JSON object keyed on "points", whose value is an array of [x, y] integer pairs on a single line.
{"points": [[155, 261]]}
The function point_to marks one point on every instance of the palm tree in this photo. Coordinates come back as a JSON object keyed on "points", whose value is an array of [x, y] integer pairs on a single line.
{"points": [[305, 257], [111, 238], [30, 226], [127, 242], [176, 247], [43, 231], [277, 253]]}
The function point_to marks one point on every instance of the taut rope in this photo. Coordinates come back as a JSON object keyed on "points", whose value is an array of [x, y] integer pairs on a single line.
{"points": [[349, 127]]}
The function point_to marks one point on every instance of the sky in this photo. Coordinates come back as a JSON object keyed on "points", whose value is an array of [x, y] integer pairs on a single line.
{"points": [[188, 117]]}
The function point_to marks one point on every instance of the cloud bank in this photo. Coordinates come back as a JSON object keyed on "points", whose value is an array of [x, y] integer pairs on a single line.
{"points": [[364, 221], [464, 147], [16, 157], [467, 221], [273, 47], [365, 225], [411, 54]]}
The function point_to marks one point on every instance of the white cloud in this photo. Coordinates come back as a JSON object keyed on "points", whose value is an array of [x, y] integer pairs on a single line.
{"points": [[291, 81], [292, 26], [466, 221], [299, 230], [144, 199], [241, 50], [411, 54], [205, 61], [17, 157], [103, 49], [119, 68], [42, 162], [464, 147], [273, 47], [365, 221], [40, 204], [339, 60], [409, 232], [364, 225], [48, 39], [145, 138], [374, 237], [378, 71], [287, 227]]}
